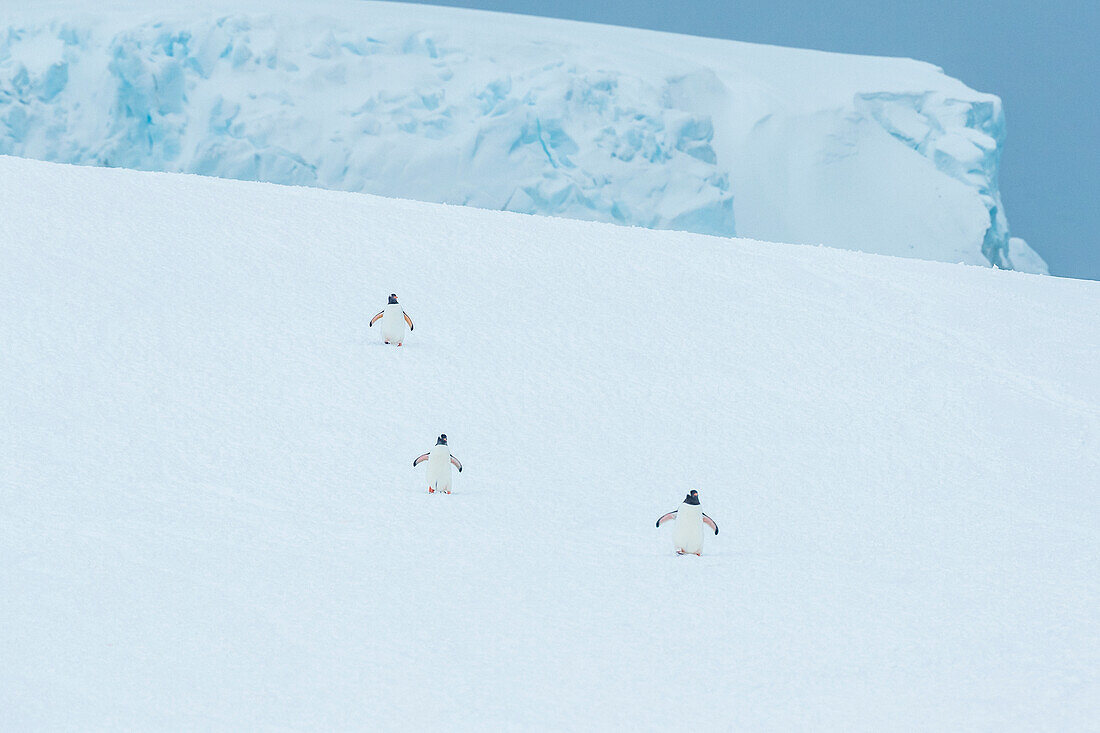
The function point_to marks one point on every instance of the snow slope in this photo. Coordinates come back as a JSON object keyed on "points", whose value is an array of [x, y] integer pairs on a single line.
{"points": [[519, 113], [210, 518]]}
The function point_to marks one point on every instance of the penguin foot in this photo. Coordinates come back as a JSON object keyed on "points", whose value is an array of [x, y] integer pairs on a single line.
{"points": [[398, 343], [431, 490], [446, 491], [698, 554]]}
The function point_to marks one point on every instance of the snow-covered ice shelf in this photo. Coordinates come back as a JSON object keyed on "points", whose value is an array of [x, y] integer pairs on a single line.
{"points": [[208, 516]]}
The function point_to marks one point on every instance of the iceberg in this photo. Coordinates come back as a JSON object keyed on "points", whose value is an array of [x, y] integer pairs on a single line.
{"points": [[524, 114]]}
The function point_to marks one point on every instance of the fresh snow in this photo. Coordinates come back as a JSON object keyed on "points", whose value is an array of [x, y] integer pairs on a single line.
{"points": [[210, 518], [519, 113]]}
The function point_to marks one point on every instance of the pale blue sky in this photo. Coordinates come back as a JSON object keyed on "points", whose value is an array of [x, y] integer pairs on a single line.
{"points": [[1042, 59]]}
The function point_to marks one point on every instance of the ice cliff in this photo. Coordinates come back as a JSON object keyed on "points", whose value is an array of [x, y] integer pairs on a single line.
{"points": [[525, 114]]}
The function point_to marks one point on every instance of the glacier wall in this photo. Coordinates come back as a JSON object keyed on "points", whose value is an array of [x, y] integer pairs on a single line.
{"points": [[963, 138], [523, 114], [410, 116]]}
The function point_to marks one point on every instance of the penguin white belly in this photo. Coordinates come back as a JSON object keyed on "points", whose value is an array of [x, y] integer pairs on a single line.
{"points": [[439, 468], [688, 533], [393, 323]]}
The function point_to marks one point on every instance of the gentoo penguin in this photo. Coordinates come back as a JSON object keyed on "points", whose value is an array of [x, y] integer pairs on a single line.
{"points": [[393, 322], [689, 525], [439, 461]]}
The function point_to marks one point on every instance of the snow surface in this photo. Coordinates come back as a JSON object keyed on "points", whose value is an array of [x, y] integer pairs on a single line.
{"points": [[519, 113], [210, 518]]}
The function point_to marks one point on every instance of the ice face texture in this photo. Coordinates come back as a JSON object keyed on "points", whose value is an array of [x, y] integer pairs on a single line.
{"points": [[525, 114]]}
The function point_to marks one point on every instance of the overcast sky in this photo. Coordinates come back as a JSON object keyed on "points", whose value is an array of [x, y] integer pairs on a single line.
{"points": [[1041, 58]]}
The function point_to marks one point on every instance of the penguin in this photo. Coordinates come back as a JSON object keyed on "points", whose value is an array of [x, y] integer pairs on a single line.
{"points": [[689, 525], [393, 322], [439, 461]]}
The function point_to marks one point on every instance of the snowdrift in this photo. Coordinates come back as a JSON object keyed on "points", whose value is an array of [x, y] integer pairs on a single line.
{"points": [[519, 113], [210, 519]]}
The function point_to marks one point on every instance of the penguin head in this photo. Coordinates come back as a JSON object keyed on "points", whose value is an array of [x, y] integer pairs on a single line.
{"points": [[393, 298], [442, 440], [692, 498]]}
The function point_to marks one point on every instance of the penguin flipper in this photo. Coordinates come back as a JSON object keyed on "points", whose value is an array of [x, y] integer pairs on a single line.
{"points": [[710, 523], [666, 518], [420, 459], [408, 320], [457, 463], [375, 319]]}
